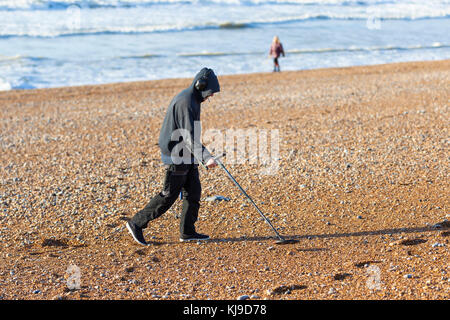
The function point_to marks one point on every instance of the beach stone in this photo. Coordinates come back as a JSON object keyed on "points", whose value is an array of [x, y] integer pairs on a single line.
{"points": [[217, 198], [283, 289], [437, 244], [243, 297], [341, 276]]}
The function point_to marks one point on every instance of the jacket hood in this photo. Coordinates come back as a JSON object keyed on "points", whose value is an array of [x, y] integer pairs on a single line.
{"points": [[212, 83]]}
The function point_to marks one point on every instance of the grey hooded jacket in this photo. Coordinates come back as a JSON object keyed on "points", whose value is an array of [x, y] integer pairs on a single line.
{"points": [[179, 138]]}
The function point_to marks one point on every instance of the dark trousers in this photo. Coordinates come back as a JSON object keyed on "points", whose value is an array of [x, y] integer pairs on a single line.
{"points": [[179, 178], [276, 65]]}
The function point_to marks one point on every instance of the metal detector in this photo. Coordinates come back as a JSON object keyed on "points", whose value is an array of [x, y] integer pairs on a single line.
{"points": [[281, 239]]}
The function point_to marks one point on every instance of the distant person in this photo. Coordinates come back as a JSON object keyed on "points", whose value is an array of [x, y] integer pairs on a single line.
{"points": [[276, 49], [181, 151]]}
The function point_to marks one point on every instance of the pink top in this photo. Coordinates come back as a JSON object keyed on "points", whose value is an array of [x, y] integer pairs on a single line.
{"points": [[276, 49]]}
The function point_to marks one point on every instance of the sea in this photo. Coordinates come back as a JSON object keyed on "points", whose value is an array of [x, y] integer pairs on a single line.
{"points": [[45, 44]]}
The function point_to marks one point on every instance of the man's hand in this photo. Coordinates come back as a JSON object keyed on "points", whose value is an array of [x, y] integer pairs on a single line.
{"points": [[211, 163]]}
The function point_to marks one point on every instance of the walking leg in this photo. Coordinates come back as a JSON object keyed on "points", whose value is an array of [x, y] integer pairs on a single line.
{"points": [[173, 182], [191, 202]]}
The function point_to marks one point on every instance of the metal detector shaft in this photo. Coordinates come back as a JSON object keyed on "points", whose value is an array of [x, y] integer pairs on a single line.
{"points": [[248, 197]]}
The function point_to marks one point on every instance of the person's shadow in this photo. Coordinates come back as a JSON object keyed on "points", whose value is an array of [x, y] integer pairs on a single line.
{"points": [[442, 226], [436, 228]]}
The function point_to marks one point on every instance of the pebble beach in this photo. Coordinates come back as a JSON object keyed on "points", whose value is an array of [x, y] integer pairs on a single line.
{"points": [[362, 183]]}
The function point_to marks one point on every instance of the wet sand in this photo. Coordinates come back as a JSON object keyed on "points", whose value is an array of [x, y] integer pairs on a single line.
{"points": [[362, 183]]}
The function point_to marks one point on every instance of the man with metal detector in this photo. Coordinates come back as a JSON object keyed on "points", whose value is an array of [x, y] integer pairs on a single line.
{"points": [[181, 152]]}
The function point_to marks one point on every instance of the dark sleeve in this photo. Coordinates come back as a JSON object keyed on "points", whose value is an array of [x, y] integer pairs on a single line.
{"points": [[191, 135]]}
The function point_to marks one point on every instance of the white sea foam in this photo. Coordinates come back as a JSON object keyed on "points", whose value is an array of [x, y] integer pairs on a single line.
{"points": [[4, 85], [54, 24], [41, 18], [9, 58], [62, 4]]}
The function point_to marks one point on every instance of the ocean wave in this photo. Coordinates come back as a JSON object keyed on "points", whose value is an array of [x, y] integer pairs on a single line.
{"points": [[95, 4], [47, 32], [9, 58], [50, 31], [234, 25], [84, 4], [142, 56], [215, 54], [48, 60], [435, 45]]}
